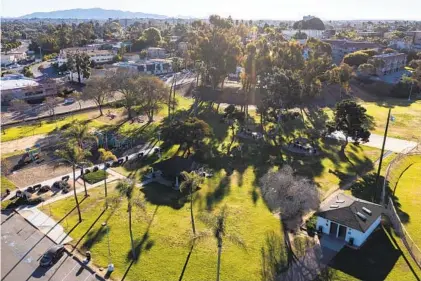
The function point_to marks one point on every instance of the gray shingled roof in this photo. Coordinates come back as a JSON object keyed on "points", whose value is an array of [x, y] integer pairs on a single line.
{"points": [[343, 209]]}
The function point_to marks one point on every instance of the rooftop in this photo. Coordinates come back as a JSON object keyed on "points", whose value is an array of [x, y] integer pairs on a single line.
{"points": [[382, 56], [350, 211], [172, 167], [17, 81]]}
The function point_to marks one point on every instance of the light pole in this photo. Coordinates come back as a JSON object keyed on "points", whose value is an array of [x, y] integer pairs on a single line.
{"points": [[40, 54], [110, 264], [410, 91], [159, 144]]}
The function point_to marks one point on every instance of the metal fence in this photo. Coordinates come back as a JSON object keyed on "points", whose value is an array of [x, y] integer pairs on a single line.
{"points": [[394, 171]]}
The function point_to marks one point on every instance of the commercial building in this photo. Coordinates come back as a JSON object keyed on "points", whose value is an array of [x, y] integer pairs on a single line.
{"points": [[348, 219], [17, 86], [12, 57], [95, 55], [152, 66], [392, 62]]}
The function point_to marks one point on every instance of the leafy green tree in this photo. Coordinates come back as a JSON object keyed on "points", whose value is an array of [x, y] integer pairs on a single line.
{"points": [[352, 120], [27, 72], [300, 35], [366, 69], [341, 75], [126, 82], [356, 58], [152, 93], [126, 189], [220, 231], [190, 184], [152, 36], [75, 155], [314, 23], [80, 64], [190, 131], [104, 156]]}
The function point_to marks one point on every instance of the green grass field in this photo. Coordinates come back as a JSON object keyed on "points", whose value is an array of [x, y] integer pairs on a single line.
{"points": [[6, 184], [408, 192], [163, 241]]}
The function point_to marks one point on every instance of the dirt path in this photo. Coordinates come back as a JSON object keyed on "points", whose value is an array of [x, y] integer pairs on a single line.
{"points": [[20, 144]]}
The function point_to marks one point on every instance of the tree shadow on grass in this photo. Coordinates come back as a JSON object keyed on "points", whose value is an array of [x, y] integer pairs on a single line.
{"points": [[89, 229], [141, 245], [94, 237], [217, 195], [161, 195], [373, 261]]}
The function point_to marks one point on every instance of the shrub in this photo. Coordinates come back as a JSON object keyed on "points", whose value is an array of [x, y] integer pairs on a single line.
{"points": [[311, 225], [95, 177]]}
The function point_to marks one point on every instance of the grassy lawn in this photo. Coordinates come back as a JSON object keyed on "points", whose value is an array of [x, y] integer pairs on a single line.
{"points": [[6, 184], [408, 117], [94, 177], [383, 257], [162, 235], [408, 192], [46, 126]]}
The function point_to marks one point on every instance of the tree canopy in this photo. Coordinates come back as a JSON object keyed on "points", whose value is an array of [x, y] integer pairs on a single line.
{"points": [[314, 23]]}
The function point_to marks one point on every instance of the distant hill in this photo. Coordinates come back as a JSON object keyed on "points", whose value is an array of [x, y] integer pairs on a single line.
{"points": [[94, 13]]}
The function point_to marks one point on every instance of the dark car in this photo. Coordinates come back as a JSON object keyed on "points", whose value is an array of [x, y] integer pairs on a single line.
{"points": [[52, 255]]}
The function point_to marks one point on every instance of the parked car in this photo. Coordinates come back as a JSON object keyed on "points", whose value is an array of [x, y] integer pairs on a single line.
{"points": [[52, 255], [68, 101]]}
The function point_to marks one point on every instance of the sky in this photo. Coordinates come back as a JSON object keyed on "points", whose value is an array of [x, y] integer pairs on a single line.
{"points": [[238, 9]]}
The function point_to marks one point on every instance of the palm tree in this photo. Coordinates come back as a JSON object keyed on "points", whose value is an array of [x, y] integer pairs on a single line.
{"points": [[190, 184], [106, 155], [79, 132], [74, 155], [126, 188], [176, 65], [218, 225]]}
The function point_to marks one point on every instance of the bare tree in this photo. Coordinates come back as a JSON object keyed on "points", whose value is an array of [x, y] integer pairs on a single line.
{"points": [[125, 81], [99, 89], [51, 102], [291, 195], [19, 106]]}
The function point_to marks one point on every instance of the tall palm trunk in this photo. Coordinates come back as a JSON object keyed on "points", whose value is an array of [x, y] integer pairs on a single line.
{"points": [[105, 187], [218, 265], [130, 230], [84, 182], [74, 192], [191, 211]]}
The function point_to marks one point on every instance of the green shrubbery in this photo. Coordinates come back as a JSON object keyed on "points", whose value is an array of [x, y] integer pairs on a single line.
{"points": [[95, 177]]}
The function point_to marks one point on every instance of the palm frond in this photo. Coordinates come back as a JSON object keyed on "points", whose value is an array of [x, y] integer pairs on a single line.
{"points": [[200, 236], [236, 240]]}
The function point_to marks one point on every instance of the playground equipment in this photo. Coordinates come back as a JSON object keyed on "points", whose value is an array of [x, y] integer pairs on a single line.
{"points": [[113, 140], [31, 155]]}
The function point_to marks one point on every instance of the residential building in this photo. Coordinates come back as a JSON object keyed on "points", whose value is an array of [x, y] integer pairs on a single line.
{"points": [[17, 86], [182, 47], [96, 55], [348, 219], [366, 34], [156, 53], [131, 57], [342, 47], [393, 62], [12, 57]]}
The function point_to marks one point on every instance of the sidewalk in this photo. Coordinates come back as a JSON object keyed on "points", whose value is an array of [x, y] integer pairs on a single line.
{"points": [[44, 223]]}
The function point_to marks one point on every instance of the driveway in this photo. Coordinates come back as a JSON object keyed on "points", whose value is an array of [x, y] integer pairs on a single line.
{"points": [[21, 248]]}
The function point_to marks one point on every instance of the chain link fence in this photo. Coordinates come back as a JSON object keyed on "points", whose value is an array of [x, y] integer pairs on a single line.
{"points": [[394, 171]]}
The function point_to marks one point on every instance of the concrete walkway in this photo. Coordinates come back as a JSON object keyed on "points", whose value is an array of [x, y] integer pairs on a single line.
{"points": [[376, 141], [44, 223]]}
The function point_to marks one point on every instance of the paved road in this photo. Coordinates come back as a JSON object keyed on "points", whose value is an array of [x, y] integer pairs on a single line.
{"points": [[21, 247]]}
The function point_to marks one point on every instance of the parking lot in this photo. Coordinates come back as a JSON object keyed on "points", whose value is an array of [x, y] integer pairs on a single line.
{"points": [[22, 246]]}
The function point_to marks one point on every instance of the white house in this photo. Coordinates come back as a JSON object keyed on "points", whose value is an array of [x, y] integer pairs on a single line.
{"points": [[17, 86], [350, 219], [156, 53]]}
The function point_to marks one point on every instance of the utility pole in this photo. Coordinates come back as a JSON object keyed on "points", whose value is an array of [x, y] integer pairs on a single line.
{"points": [[410, 92], [381, 156]]}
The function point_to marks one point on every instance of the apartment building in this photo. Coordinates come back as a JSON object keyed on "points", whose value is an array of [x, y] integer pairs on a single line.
{"points": [[156, 53], [95, 55], [342, 47], [393, 62]]}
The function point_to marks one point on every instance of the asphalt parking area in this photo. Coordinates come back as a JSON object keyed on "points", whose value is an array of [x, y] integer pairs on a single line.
{"points": [[22, 246]]}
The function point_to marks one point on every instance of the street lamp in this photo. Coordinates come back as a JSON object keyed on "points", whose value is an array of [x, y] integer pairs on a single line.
{"points": [[159, 143], [410, 91], [40, 54], [110, 264]]}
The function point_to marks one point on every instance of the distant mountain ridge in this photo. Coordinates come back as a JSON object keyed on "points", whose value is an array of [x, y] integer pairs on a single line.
{"points": [[92, 13]]}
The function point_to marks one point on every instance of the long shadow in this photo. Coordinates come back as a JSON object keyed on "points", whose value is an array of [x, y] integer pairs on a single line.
{"points": [[36, 243], [186, 263], [373, 261], [222, 190], [89, 229]]}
